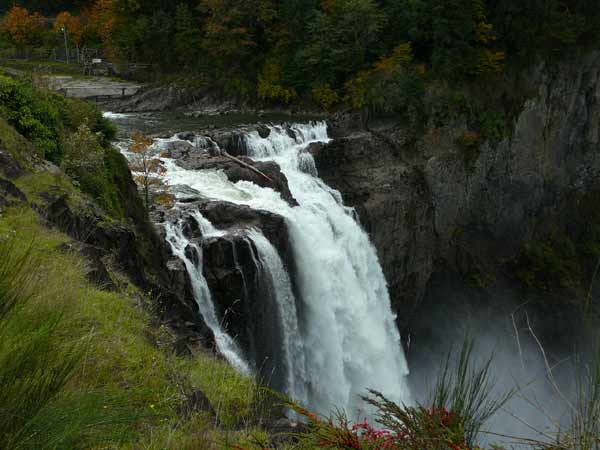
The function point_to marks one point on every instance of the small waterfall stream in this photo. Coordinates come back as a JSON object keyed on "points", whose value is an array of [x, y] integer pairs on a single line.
{"points": [[338, 331], [178, 242]]}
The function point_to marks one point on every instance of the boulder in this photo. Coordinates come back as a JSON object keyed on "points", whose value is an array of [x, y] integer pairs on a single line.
{"points": [[236, 172], [187, 136], [232, 141], [9, 166], [229, 216], [10, 195], [179, 149], [242, 293], [263, 131]]}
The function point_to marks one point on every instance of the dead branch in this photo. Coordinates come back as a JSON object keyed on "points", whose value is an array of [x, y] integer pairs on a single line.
{"points": [[246, 165]]}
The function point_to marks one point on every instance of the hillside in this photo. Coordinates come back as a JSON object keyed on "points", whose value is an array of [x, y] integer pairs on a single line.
{"points": [[82, 315]]}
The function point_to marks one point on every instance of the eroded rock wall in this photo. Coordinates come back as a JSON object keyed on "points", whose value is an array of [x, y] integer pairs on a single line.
{"points": [[431, 209]]}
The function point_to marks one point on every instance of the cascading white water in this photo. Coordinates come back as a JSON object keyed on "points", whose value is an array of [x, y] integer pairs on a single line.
{"points": [[292, 340], [349, 340], [179, 243]]}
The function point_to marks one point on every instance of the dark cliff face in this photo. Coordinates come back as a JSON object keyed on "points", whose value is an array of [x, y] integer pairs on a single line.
{"points": [[242, 293], [439, 219]]}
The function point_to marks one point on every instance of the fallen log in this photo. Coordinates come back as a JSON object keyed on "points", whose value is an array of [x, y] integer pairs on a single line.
{"points": [[246, 165]]}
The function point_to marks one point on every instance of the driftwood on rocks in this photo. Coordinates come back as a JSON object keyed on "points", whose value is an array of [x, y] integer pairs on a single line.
{"points": [[246, 165]]}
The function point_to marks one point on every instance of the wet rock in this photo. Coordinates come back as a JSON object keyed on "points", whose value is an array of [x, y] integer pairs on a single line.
{"points": [[245, 302], [187, 136], [241, 290], [291, 133], [263, 131], [393, 203], [432, 209], [229, 216], [285, 432], [315, 148], [179, 149]]}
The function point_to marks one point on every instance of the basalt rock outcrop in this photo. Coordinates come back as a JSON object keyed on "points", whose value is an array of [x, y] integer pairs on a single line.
{"points": [[440, 216], [244, 299]]}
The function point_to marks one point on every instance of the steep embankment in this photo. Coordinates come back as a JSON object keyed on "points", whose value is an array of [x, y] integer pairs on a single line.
{"points": [[91, 308], [462, 222]]}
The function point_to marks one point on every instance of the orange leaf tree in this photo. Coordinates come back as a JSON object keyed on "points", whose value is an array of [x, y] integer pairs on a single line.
{"points": [[22, 28], [147, 167], [72, 24]]}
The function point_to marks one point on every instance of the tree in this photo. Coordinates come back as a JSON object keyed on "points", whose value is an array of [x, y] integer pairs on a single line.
{"points": [[453, 36], [236, 34], [100, 21], [73, 26], [227, 32], [341, 39], [188, 35], [148, 169], [21, 28], [82, 151]]}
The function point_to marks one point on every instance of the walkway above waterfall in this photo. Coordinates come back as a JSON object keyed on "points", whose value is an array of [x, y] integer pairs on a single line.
{"points": [[92, 88]]}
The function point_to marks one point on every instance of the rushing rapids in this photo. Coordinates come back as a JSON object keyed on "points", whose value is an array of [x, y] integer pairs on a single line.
{"points": [[338, 333]]}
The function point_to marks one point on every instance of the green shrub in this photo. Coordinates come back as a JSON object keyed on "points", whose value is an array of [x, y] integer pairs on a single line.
{"points": [[492, 125], [270, 85], [76, 113], [324, 96], [82, 151], [45, 118], [35, 114], [461, 404]]}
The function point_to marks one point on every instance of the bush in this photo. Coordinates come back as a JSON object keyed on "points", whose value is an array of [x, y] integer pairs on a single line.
{"points": [[469, 142], [45, 118], [82, 152], [324, 96], [270, 85], [34, 114], [462, 403]]}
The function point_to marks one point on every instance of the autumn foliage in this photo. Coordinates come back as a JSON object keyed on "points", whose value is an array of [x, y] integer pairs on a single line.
{"points": [[72, 24], [21, 27]]}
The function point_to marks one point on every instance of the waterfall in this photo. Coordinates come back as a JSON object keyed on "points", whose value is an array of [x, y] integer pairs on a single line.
{"points": [[179, 243], [288, 315], [342, 338]]}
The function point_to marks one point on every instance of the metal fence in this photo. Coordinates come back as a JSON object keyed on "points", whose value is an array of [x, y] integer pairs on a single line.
{"points": [[72, 56]]}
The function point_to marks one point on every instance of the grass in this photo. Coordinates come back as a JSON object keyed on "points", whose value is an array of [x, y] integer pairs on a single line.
{"points": [[19, 147], [120, 389]]}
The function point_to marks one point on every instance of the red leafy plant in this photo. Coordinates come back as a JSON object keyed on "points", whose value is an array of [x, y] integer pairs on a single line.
{"points": [[414, 428]]}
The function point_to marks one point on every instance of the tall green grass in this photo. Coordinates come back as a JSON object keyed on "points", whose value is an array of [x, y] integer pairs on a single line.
{"points": [[37, 364], [83, 368]]}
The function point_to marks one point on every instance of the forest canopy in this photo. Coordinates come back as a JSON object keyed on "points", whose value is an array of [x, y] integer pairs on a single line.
{"points": [[277, 50]]}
